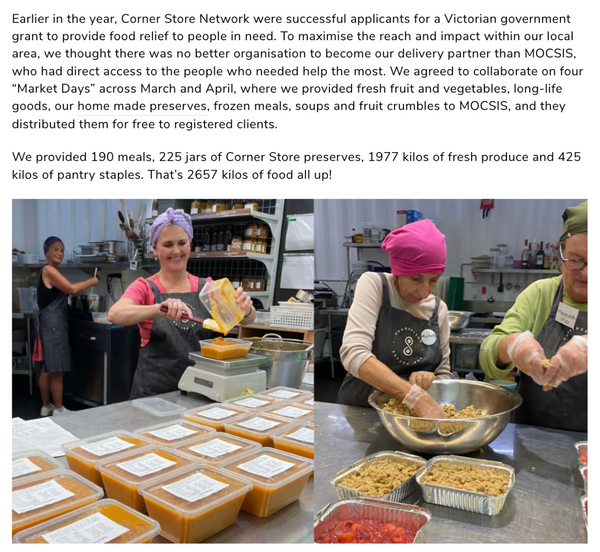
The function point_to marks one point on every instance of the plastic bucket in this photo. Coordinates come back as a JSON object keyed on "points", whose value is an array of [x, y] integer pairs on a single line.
{"points": [[27, 300]]}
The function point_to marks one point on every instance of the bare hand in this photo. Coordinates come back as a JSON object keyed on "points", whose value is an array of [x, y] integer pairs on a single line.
{"points": [[175, 308], [94, 282], [422, 379], [244, 301]]}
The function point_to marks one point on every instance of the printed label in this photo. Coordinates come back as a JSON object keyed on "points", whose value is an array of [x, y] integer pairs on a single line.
{"points": [[304, 434], [251, 403], [217, 413], [23, 466], [215, 448], [44, 494], [108, 446], [266, 466], [195, 487], [566, 315], [292, 412], [172, 432], [310, 402], [94, 529], [259, 424], [145, 465], [283, 394]]}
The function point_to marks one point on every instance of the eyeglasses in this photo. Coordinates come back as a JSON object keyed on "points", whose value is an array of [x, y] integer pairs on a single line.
{"points": [[572, 264]]}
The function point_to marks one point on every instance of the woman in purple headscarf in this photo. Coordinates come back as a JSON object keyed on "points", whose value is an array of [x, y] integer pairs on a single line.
{"points": [[167, 340], [52, 343]]}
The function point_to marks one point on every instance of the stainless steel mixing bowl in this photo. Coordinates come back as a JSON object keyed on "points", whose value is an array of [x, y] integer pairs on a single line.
{"points": [[459, 319], [455, 436]]}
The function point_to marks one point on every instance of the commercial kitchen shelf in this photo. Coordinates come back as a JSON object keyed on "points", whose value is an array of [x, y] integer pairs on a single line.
{"points": [[515, 271], [220, 215], [76, 265]]}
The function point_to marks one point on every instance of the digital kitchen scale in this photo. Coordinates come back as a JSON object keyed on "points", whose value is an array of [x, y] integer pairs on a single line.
{"points": [[224, 379]]}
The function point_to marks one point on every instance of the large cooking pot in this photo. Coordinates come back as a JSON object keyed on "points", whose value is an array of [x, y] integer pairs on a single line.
{"points": [[288, 359], [93, 303]]}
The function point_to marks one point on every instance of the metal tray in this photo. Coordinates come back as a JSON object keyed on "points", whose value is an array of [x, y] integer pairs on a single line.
{"points": [[580, 446], [408, 516], [583, 472], [583, 507], [395, 495], [470, 501]]}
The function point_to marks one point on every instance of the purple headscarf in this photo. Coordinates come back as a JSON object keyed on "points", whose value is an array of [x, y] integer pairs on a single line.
{"points": [[49, 242], [170, 216]]}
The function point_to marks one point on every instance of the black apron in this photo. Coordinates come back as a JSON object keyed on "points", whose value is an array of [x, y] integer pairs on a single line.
{"points": [[53, 329], [564, 407], [165, 357], [399, 345]]}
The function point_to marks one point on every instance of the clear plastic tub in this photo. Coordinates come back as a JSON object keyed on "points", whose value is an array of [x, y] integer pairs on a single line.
{"points": [[215, 415], [83, 455], [278, 478], [310, 401], [582, 452], [257, 426], [158, 406], [219, 298], [287, 394], [39, 498], [171, 434], [112, 523], [216, 449], [33, 462], [294, 412], [252, 402], [224, 349], [194, 503], [296, 439], [122, 475]]}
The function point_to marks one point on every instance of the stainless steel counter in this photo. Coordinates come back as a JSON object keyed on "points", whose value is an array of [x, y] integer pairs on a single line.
{"points": [[292, 524], [543, 506]]}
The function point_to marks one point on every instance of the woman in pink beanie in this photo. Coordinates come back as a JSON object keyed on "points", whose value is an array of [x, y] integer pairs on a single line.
{"points": [[398, 330]]}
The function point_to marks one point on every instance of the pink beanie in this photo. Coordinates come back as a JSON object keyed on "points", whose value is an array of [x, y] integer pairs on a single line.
{"points": [[416, 248]]}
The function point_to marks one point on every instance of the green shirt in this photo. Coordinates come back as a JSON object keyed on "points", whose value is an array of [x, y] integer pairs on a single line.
{"points": [[530, 312]]}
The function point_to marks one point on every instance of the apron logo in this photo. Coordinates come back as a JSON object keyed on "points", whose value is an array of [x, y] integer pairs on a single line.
{"points": [[408, 350], [428, 337]]}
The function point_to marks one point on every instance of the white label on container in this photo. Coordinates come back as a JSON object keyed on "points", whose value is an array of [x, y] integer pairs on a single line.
{"points": [[217, 413], [259, 424], [251, 403], [145, 465], [306, 435], [94, 529], [266, 466], [283, 394], [195, 487], [108, 446], [215, 448], [172, 432], [39, 496], [23, 466], [292, 412], [311, 402]]}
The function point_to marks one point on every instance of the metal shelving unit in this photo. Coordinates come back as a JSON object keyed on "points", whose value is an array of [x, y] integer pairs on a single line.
{"points": [[358, 247]]}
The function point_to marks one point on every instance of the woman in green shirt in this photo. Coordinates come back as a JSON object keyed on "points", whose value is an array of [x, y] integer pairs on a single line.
{"points": [[549, 321]]}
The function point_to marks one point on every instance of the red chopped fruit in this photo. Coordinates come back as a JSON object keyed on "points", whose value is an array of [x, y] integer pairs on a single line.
{"points": [[367, 531], [583, 456]]}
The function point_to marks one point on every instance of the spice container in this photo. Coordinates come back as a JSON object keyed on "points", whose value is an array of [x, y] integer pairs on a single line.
{"points": [[278, 479], [215, 415], [216, 449], [286, 394], [236, 244], [171, 434], [193, 504], [33, 462], [294, 412], [39, 498], [220, 300], [123, 474], [256, 426], [83, 455], [296, 439], [252, 403]]}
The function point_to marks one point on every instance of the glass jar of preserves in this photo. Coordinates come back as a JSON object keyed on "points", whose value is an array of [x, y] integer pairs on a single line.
{"points": [[261, 246], [236, 244], [196, 207], [259, 284], [262, 231], [237, 206], [251, 204], [254, 245], [251, 230], [219, 205], [205, 206], [246, 284], [247, 245]]}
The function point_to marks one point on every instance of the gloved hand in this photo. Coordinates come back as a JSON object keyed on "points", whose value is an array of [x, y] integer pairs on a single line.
{"points": [[571, 359], [422, 379], [423, 404], [527, 355]]}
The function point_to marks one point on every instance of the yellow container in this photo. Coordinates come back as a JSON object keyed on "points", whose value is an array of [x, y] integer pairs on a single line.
{"points": [[219, 298]]}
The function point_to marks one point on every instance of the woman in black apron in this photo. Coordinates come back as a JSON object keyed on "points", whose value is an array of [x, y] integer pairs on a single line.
{"points": [[167, 340], [52, 343]]}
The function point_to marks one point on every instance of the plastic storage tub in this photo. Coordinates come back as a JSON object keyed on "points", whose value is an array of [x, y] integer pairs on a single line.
{"points": [[294, 412], [296, 439], [171, 434], [252, 403], [216, 449], [278, 478], [40, 498], [219, 298], [83, 455], [257, 426], [103, 522], [193, 504], [33, 462], [122, 475], [289, 394], [215, 415], [227, 349]]}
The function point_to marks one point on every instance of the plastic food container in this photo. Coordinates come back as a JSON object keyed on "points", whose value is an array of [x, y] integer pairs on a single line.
{"points": [[256, 426], [583, 470], [103, 522], [296, 439], [224, 349], [397, 494], [219, 298], [278, 478], [158, 406], [407, 516], [215, 415], [122, 475], [83, 455], [294, 412], [217, 448], [288, 394], [582, 452], [253, 402], [194, 503], [38, 499], [171, 434], [584, 502], [471, 501], [33, 462], [310, 401]]}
